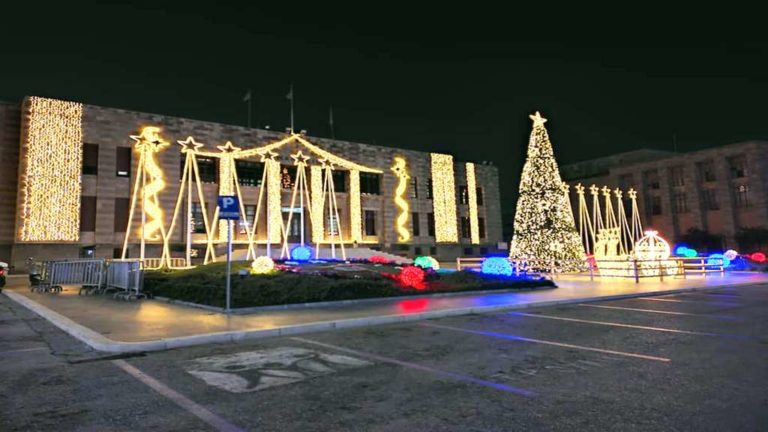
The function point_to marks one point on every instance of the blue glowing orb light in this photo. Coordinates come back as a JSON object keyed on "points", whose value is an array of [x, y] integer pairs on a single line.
{"points": [[497, 266], [426, 262], [717, 259], [301, 253], [680, 250], [690, 253]]}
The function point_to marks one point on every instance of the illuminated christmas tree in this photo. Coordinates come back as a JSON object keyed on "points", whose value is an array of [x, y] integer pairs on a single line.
{"points": [[545, 232]]}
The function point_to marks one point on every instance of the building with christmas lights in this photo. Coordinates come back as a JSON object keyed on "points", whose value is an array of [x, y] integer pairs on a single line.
{"points": [[69, 188], [718, 195]]}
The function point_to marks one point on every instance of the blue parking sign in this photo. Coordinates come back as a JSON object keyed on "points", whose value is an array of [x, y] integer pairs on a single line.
{"points": [[229, 207]]}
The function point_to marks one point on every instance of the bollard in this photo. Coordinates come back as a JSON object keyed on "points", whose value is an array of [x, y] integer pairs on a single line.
{"points": [[637, 276]]}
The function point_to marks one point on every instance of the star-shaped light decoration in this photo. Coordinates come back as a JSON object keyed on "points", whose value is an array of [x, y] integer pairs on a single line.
{"points": [[228, 148], [299, 159], [538, 120], [150, 138], [189, 145], [606, 191], [618, 193], [594, 190], [579, 189], [325, 163], [632, 193], [565, 187], [269, 155]]}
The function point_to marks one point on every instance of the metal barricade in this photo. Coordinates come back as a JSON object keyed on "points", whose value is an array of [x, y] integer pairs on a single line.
{"points": [[125, 277], [87, 273]]}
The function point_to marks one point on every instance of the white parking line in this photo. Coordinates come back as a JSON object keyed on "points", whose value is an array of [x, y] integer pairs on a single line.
{"points": [[409, 365], [23, 350], [614, 324], [545, 342], [658, 311], [182, 401], [703, 302]]}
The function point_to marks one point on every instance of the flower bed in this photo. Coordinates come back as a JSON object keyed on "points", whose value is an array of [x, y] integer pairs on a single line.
{"points": [[315, 282]]}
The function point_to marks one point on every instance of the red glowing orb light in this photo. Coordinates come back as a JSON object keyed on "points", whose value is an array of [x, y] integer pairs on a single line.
{"points": [[757, 257], [412, 276], [378, 259]]}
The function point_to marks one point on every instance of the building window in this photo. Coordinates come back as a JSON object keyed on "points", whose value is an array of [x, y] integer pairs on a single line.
{"points": [[339, 181], [90, 159], [208, 169], [87, 252], [250, 213], [483, 251], [433, 251], [431, 224], [742, 196], [626, 181], [414, 187], [481, 227], [370, 183], [709, 198], [676, 176], [652, 179], [468, 251], [465, 231], [333, 223], [249, 173], [415, 224], [429, 188], [417, 250], [463, 195], [123, 162], [654, 206], [122, 207], [197, 222], [707, 171], [681, 203], [738, 166], [88, 214], [479, 196], [369, 220]]}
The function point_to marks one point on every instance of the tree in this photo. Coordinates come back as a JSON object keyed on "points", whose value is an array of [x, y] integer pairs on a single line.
{"points": [[544, 225]]}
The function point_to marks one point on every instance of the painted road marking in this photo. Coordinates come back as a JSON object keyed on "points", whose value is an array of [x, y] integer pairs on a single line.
{"points": [[182, 401], [23, 350], [722, 317], [614, 324], [416, 366], [545, 342], [703, 302], [251, 371]]}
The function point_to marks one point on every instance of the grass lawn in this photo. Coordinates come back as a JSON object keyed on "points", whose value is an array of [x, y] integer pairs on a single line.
{"points": [[312, 283]]}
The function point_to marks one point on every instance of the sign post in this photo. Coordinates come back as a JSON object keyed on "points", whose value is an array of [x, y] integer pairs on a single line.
{"points": [[229, 210]]}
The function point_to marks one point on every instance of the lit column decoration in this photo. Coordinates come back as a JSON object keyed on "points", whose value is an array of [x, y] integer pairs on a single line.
{"points": [[226, 180], [444, 199], [51, 160], [147, 185], [637, 225], [585, 222], [334, 226], [274, 198], [355, 208], [316, 216], [474, 223], [299, 188], [401, 223]]}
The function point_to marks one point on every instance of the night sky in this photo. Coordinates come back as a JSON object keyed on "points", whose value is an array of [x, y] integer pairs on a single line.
{"points": [[443, 79]]}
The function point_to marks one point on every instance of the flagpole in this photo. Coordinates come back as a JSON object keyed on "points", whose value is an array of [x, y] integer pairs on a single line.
{"points": [[249, 111], [291, 93], [330, 121]]}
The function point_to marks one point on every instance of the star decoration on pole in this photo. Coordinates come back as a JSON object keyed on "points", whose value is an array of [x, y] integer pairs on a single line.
{"points": [[268, 156], [325, 163], [538, 120], [606, 191], [189, 145], [150, 138], [632, 193], [565, 187], [228, 148], [579, 189], [299, 159], [594, 190], [618, 193]]}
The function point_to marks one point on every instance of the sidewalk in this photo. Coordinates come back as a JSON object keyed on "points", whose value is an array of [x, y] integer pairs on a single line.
{"points": [[148, 325]]}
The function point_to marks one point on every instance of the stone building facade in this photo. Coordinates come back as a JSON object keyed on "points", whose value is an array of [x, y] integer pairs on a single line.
{"points": [[721, 190], [109, 163]]}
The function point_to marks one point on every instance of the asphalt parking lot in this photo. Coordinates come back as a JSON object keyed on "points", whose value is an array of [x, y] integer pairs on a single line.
{"points": [[694, 361]]}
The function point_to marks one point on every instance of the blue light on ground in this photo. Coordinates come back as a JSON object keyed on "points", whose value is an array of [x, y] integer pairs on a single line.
{"points": [[301, 253], [497, 266]]}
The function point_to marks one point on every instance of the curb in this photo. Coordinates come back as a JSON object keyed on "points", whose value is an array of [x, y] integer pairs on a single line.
{"points": [[100, 342]]}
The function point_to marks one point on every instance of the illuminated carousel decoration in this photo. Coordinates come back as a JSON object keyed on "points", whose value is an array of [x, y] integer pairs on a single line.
{"points": [[401, 172], [317, 195], [652, 254]]}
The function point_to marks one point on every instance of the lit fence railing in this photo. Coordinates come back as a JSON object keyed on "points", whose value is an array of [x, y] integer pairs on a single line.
{"points": [[677, 267]]}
